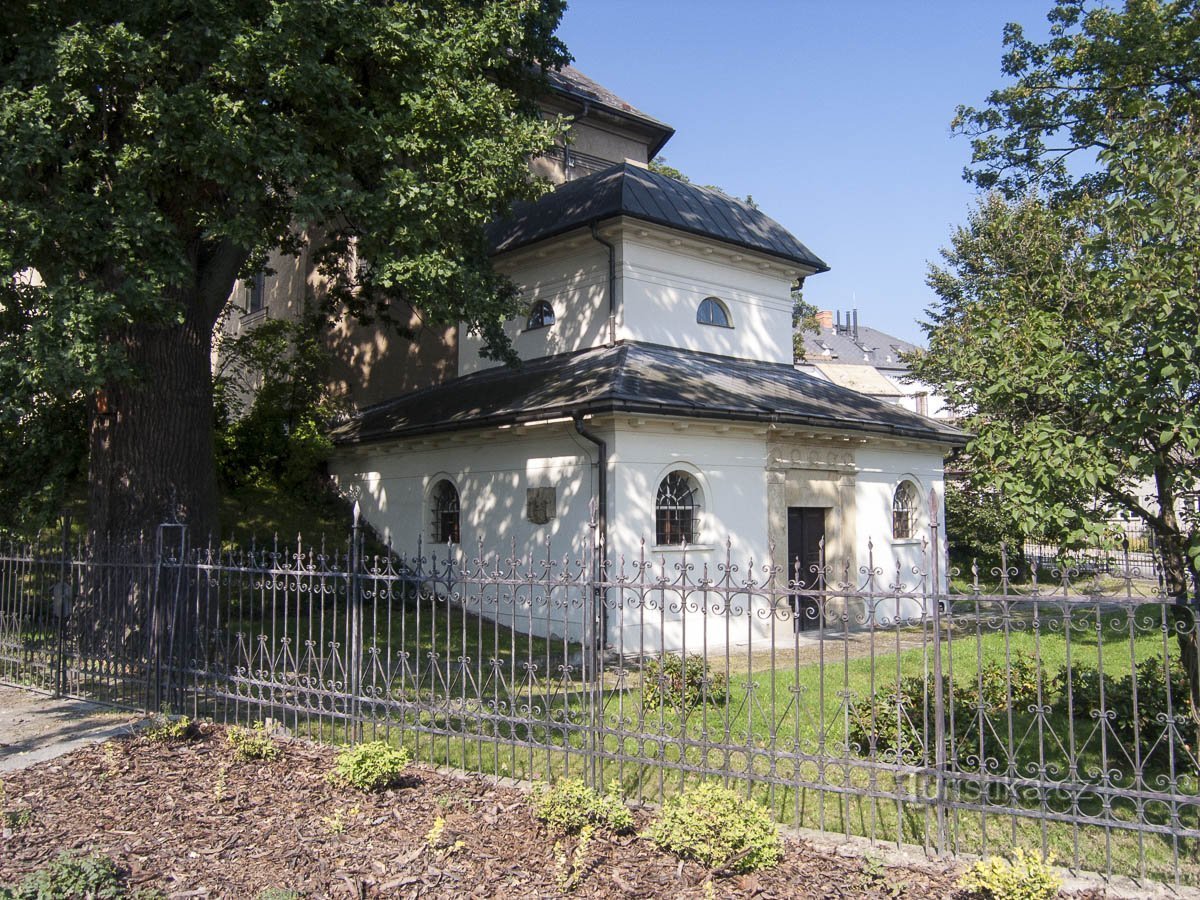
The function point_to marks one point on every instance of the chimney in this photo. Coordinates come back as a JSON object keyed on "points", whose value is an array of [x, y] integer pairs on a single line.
{"points": [[825, 319], [856, 325]]}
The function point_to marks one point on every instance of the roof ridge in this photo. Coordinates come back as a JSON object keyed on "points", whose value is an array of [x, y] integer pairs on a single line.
{"points": [[651, 197]]}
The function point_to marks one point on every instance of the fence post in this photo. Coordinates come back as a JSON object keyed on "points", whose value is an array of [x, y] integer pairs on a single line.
{"points": [[591, 650], [354, 625], [66, 598], [939, 694], [164, 621]]}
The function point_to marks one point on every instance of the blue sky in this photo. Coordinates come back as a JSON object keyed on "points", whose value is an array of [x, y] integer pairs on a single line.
{"points": [[833, 115]]}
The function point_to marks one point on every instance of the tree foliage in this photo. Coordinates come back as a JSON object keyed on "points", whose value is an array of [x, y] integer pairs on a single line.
{"points": [[1068, 338], [1076, 94], [804, 320], [272, 407], [1067, 330], [151, 151]]}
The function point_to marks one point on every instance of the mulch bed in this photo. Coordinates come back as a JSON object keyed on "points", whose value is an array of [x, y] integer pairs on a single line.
{"points": [[189, 820]]}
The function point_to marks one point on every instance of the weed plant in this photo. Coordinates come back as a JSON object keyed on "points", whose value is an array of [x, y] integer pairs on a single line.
{"points": [[251, 743]]}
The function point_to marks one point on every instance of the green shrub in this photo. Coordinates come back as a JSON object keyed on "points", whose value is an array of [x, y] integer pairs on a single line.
{"points": [[171, 729], [251, 743], [674, 680], [16, 819], [718, 828], [1149, 718], [1026, 877], [1019, 676], [373, 766], [69, 876], [570, 805], [891, 722]]}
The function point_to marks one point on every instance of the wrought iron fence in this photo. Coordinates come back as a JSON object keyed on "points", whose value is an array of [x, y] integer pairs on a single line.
{"points": [[864, 700], [1125, 544]]}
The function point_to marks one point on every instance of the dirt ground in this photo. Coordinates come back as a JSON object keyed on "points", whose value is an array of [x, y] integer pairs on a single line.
{"points": [[191, 821]]}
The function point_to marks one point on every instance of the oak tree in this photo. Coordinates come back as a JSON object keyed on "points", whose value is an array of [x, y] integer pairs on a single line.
{"points": [[153, 151]]}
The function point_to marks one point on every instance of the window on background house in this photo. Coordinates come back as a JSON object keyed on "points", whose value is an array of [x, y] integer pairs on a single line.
{"points": [[256, 293], [713, 312], [445, 513], [677, 510], [904, 511], [541, 315], [922, 404]]}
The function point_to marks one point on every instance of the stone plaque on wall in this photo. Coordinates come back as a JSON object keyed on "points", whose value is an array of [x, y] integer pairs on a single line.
{"points": [[540, 503]]}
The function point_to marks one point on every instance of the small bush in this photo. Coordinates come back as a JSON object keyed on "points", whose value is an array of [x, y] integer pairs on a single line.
{"points": [[675, 680], [171, 730], [275, 893], [1026, 877], [570, 806], [718, 828], [1019, 677], [1146, 722], [16, 819], [373, 766], [96, 877], [891, 723], [251, 743]]}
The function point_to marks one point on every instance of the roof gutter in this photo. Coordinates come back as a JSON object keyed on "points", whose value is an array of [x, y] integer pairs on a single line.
{"points": [[601, 526], [612, 282]]}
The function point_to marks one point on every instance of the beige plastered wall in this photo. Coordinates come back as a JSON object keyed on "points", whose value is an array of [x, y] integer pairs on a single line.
{"points": [[371, 363], [813, 474]]}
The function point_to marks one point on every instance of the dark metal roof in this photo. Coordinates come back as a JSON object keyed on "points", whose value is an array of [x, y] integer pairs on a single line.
{"points": [[870, 347], [570, 82], [643, 379], [629, 190]]}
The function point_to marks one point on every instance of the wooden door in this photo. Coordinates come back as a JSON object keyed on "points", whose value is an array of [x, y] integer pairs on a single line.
{"points": [[806, 529]]}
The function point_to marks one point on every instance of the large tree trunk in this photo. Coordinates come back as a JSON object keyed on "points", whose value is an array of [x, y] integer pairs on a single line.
{"points": [[151, 454], [1179, 578]]}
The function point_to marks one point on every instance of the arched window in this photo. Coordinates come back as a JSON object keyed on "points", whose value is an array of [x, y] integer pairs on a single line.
{"points": [[713, 312], [904, 511], [677, 510], [444, 513], [541, 315]]}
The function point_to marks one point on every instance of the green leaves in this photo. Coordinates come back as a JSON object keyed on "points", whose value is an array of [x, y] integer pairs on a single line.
{"points": [[1092, 244], [150, 150], [1060, 335], [1100, 69]]}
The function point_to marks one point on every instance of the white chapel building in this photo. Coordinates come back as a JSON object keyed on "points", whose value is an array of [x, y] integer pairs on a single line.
{"points": [[657, 394]]}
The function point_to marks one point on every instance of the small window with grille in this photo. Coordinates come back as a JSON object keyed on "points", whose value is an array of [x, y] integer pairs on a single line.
{"points": [[444, 513], [677, 510], [904, 511], [541, 315]]}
